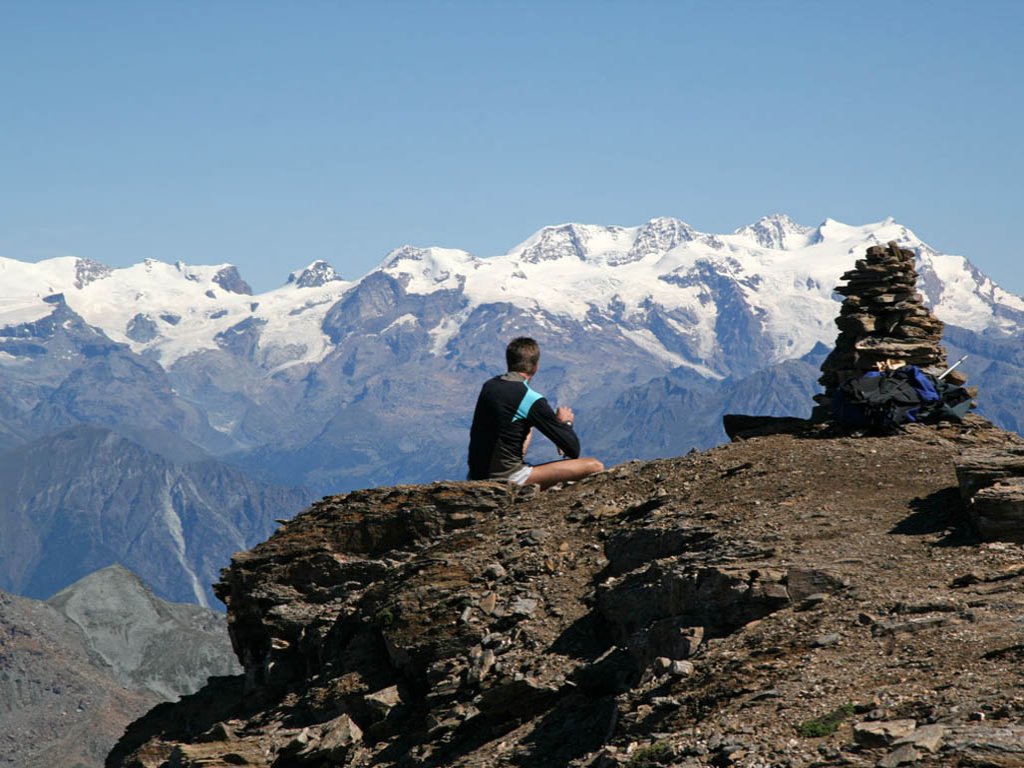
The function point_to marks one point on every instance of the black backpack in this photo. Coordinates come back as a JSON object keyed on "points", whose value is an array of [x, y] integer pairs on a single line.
{"points": [[884, 401]]}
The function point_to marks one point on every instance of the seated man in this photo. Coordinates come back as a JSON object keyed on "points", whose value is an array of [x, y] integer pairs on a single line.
{"points": [[506, 412]]}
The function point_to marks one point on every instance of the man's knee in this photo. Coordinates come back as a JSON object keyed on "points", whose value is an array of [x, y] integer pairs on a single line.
{"points": [[590, 466]]}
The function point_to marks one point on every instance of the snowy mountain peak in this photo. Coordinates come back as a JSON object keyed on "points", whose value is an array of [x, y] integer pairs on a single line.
{"points": [[424, 270], [830, 229], [553, 244], [407, 253], [876, 233], [778, 232], [577, 242], [314, 275], [661, 235]]}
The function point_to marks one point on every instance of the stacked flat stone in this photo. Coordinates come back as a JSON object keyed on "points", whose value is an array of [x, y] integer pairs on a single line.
{"points": [[992, 485], [883, 318]]}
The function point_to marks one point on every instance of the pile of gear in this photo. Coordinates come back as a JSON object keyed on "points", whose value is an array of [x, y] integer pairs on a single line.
{"points": [[888, 366]]}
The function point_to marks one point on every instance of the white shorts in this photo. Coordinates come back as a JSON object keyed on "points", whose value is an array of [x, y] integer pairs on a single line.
{"points": [[520, 476]]}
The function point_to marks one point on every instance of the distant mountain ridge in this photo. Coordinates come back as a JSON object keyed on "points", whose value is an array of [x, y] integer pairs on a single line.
{"points": [[148, 643], [88, 497], [651, 332], [77, 668]]}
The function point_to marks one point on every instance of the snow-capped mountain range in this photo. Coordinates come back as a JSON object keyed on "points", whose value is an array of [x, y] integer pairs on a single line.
{"points": [[201, 399], [780, 274]]}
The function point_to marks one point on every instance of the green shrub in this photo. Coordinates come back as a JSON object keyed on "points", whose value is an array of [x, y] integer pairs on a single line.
{"points": [[652, 755], [826, 725]]}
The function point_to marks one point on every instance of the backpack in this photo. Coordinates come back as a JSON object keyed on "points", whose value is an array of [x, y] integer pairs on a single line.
{"points": [[884, 401]]}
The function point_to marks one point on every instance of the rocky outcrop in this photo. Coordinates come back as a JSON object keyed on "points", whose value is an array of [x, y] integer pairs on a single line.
{"points": [[315, 275], [230, 279], [746, 606], [992, 485]]}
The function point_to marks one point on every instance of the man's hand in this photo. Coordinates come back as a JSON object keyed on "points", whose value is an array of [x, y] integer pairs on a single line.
{"points": [[526, 442], [564, 415]]}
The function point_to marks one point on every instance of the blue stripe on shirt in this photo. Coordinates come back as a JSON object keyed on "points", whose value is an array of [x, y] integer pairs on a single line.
{"points": [[526, 403]]}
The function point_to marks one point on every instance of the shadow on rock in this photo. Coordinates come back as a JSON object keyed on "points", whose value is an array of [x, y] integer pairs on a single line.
{"points": [[220, 699], [577, 726], [939, 512], [585, 639]]}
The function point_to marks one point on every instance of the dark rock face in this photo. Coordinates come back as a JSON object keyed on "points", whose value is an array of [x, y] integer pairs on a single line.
{"points": [[737, 324], [776, 231], [241, 338], [231, 280], [363, 534], [88, 271], [142, 328], [556, 243], [702, 607], [659, 236], [316, 274], [62, 328], [379, 301]]}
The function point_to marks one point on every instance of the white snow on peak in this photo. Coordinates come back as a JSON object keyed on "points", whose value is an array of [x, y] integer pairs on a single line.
{"points": [[782, 271], [833, 230], [426, 270], [661, 235], [777, 231], [581, 242], [170, 310], [23, 286]]}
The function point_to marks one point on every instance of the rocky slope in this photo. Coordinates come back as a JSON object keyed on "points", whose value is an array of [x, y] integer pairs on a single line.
{"points": [[807, 598], [75, 670], [148, 644]]}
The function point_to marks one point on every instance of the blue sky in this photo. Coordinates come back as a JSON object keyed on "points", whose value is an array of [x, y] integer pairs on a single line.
{"points": [[270, 134]]}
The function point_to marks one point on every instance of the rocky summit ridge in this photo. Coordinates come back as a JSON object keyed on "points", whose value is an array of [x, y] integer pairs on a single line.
{"points": [[804, 598]]}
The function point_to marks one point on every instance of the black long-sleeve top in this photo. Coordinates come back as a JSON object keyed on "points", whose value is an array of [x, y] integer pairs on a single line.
{"points": [[505, 411]]}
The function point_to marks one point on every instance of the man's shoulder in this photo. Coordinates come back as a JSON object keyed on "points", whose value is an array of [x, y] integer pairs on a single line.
{"points": [[504, 381]]}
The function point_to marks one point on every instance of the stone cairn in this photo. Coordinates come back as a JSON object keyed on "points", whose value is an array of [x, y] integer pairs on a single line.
{"points": [[883, 321]]}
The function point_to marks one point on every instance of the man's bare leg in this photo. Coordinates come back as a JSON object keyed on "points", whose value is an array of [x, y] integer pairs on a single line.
{"points": [[555, 472]]}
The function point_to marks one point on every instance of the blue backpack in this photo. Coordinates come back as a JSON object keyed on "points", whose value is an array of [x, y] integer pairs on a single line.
{"points": [[884, 401]]}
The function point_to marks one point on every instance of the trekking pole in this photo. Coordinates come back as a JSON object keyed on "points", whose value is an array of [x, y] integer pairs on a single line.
{"points": [[951, 368]]}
